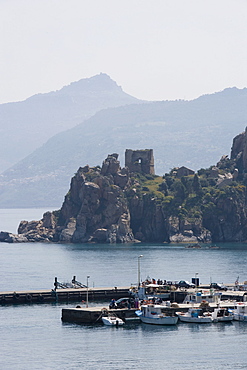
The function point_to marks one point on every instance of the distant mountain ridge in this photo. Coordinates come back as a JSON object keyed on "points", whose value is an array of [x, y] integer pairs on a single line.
{"points": [[191, 133], [26, 125]]}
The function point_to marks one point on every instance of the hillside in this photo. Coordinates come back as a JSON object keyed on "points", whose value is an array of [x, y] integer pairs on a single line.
{"points": [[191, 133], [26, 125]]}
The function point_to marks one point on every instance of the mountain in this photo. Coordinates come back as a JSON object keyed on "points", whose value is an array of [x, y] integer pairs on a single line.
{"points": [[192, 133], [26, 125]]}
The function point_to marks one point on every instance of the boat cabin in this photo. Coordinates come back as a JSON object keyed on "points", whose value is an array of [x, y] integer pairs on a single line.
{"points": [[200, 297], [150, 291], [240, 308], [150, 310]]}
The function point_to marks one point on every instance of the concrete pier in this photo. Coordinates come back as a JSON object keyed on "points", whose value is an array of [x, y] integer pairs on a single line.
{"points": [[95, 294], [92, 315], [63, 295]]}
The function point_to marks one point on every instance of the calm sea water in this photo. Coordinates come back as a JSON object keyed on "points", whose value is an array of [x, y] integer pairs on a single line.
{"points": [[34, 337]]}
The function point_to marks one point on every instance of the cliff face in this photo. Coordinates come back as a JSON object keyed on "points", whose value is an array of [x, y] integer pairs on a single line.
{"points": [[226, 219], [239, 150], [94, 210], [148, 221], [110, 204]]}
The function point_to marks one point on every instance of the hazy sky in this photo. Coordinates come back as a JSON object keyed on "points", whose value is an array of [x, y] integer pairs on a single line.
{"points": [[154, 49]]}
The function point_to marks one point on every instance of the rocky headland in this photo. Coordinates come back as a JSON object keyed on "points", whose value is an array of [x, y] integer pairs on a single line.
{"points": [[110, 204]]}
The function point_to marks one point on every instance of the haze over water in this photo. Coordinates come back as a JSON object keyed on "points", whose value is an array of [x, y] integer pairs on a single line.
{"points": [[33, 336]]}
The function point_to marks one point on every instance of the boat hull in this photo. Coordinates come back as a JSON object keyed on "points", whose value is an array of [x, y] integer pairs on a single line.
{"points": [[238, 317], [223, 319], [197, 320], [240, 311], [222, 315], [165, 320], [112, 321]]}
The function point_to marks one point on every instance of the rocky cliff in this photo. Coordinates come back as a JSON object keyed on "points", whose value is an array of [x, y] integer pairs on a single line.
{"points": [[110, 204], [94, 210]]}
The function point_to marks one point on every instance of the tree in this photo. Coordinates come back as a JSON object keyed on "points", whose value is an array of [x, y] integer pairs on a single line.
{"points": [[196, 185]]}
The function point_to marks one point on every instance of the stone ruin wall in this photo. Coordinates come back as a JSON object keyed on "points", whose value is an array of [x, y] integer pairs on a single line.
{"points": [[141, 161]]}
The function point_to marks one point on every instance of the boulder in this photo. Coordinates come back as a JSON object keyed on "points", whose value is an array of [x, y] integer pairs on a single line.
{"points": [[110, 165], [224, 180], [181, 238], [67, 233], [49, 220], [12, 238]]}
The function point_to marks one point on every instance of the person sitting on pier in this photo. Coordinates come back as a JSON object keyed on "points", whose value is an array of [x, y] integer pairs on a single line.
{"points": [[112, 304]]}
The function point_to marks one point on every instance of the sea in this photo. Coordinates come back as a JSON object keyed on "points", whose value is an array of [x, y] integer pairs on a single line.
{"points": [[34, 337]]}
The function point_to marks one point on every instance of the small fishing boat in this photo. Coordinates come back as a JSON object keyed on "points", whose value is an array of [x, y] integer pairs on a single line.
{"points": [[152, 314], [195, 315], [222, 314], [112, 320], [203, 297], [240, 311]]}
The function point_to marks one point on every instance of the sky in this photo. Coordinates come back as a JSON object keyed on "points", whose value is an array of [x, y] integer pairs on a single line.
{"points": [[155, 50]]}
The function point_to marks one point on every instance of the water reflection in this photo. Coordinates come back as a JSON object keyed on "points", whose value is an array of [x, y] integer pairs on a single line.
{"points": [[160, 329]]}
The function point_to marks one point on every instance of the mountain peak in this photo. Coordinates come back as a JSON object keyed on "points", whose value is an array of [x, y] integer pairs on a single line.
{"points": [[99, 82]]}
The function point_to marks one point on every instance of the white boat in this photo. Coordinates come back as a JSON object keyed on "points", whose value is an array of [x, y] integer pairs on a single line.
{"points": [[240, 311], [152, 314], [204, 296], [222, 314], [112, 320], [195, 315]]}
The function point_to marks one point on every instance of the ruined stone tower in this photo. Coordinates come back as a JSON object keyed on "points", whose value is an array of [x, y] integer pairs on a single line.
{"points": [[141, 161]]}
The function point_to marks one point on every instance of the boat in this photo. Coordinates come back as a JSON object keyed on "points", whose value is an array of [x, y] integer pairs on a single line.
{"points": [[152, 314], [195, 315], [112, 320], [222, 314], [151, 291], [203, 297], [240, 311]]}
